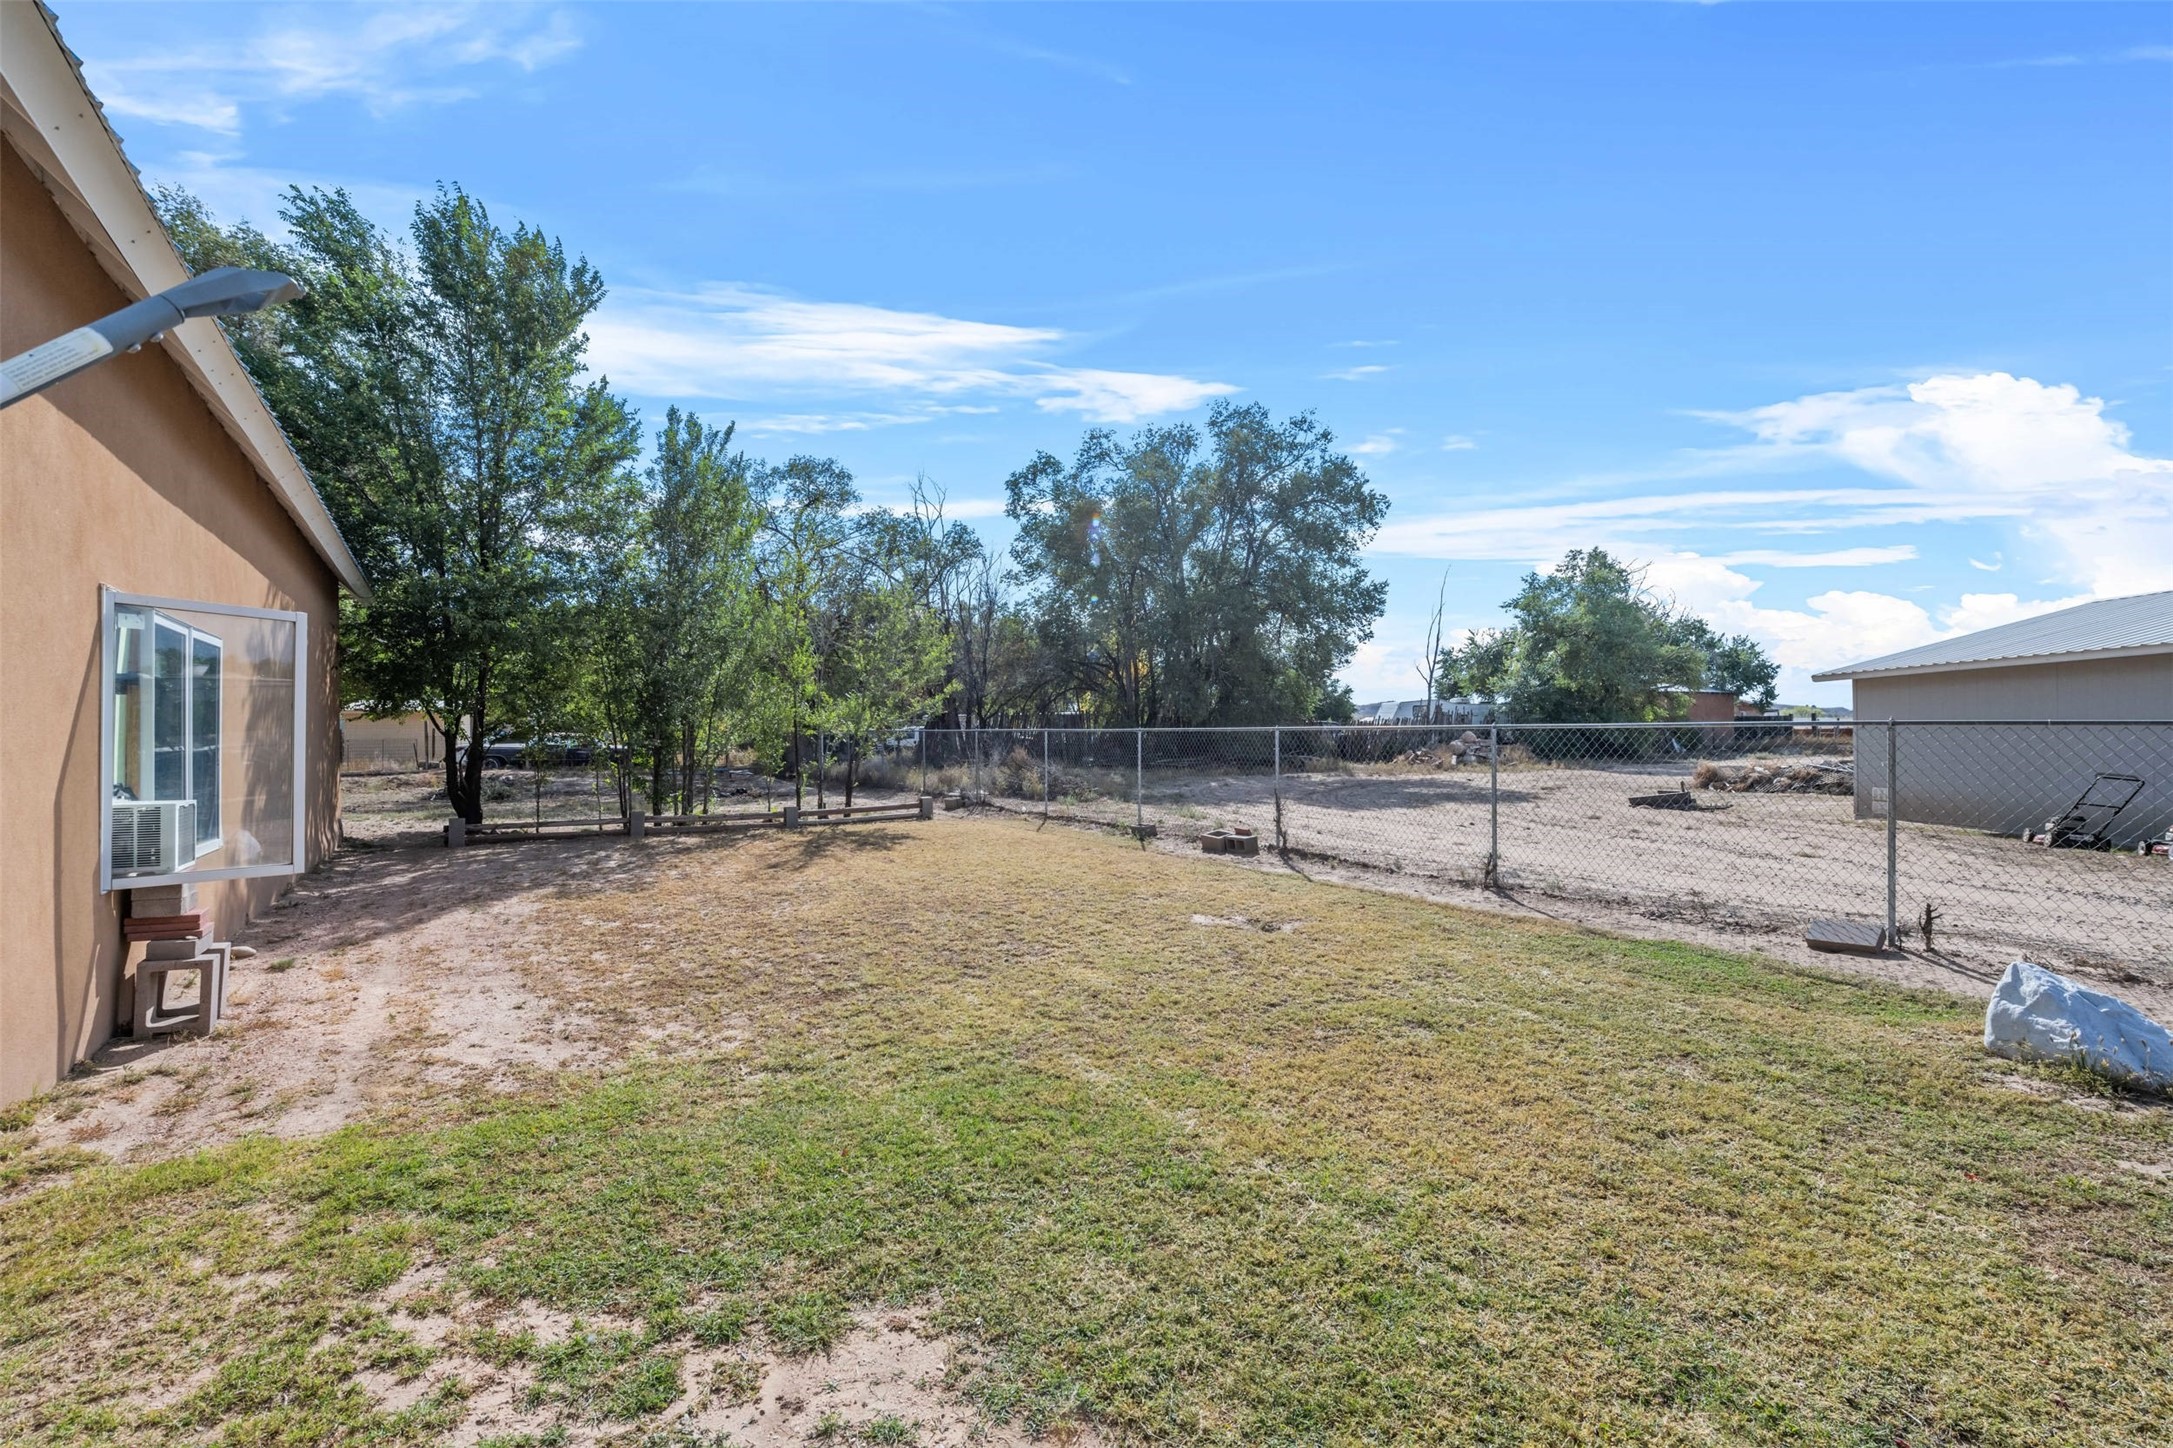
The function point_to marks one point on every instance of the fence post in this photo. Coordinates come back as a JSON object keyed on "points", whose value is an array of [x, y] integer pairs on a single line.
{"points": [[1044, 773], [1893, 835], [1281, 843], [924, 759], [1139, 783], [822, 761], [1493, 806]]}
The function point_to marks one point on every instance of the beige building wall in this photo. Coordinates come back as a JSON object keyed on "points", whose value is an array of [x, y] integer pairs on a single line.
{"points": [[2008, 777], [118, 476], [401, 738]]}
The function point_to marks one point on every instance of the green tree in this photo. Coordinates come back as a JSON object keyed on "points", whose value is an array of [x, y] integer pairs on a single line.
{"points": [[889, 671], [435, 395], [807, 558], [1590, 644], [674, 617], [1189, 578], [1734, 664]]}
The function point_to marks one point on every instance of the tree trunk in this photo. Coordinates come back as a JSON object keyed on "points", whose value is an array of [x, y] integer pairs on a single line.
{"points": [[852, 760], [470, 801], [799, 767]]}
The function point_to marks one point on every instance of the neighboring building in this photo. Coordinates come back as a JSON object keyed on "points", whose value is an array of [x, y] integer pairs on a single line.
{"points": [[169, 584], [2108, 663], [1417, 711], [408, 739], [1713, 706]]}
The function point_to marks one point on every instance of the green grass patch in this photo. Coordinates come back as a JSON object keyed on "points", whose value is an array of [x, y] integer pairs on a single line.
{"points": [[1399, 1175]]}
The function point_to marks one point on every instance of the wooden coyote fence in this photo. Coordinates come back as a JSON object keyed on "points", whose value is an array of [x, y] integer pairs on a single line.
{"points": [[638, 826]]}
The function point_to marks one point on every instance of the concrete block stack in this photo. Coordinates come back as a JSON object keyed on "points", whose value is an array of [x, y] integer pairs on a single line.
{"points": [[176, 937]]}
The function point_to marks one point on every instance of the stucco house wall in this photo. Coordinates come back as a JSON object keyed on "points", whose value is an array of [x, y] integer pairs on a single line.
{"points": [[119, 476]]}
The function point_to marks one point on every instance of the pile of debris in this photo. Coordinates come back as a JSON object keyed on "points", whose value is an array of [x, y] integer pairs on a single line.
{"points": [[1775, 778], [1468, 749]]}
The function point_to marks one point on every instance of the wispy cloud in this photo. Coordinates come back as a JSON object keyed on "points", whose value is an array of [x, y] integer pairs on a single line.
{"points": [[1457, 442], [1380, 444], [1833, 558], [387, 57], [1356, 374], [2040, 458], [1999, 446], [811, 424], [733, 342], [751, 183], [2065, 60], [1833, 628]]}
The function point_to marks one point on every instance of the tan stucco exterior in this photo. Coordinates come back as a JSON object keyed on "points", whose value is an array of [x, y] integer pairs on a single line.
{"points": [[120, 476], [408, 738]]}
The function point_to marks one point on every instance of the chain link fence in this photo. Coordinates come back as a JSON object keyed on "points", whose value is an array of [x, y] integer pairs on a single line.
{"points": [[2007, 839]]}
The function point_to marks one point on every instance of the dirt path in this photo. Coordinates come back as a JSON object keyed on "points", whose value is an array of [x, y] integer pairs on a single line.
{"points": [[387, 980]]}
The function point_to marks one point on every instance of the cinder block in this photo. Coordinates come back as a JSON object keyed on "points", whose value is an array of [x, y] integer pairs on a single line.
{"points": [[162, 900], [154, 1018]]}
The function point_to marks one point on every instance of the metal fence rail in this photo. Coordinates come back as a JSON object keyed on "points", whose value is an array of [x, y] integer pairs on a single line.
{"points": [[1759, 823]]}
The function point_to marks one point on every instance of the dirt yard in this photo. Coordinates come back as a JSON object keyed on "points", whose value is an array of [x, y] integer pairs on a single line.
{"points": [[1745, 871]]}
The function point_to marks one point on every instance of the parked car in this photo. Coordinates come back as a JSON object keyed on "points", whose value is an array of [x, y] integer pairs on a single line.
{"points": [[555, 751], [498, 754]]}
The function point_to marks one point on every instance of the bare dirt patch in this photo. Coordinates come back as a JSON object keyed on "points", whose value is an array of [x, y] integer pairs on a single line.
{"points": [[893, 1377], [390, 979]]}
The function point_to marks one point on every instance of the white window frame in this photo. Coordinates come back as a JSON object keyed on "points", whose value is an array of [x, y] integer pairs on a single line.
{"points": [[110, 599]]}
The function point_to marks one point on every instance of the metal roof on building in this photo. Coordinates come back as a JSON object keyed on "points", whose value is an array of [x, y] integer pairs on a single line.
{"points": [[2105, 628]]}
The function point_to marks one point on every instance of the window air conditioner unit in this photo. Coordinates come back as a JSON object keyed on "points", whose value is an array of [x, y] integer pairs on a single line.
{"points": [[153, 837]]}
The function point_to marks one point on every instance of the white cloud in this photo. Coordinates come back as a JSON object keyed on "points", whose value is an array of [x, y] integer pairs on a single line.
{"points": [[1356, 374], [813, 423], [1837, 627], [2041, 459], [388, 57], [1117, 396], [1457, 442], [734, 342], [1541, 531], [1380, 444], [1993, 567], [1833, 558], [1995, 445]]}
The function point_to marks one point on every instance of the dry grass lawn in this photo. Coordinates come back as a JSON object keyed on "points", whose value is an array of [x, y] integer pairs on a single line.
{"points": [[1178, 1153]]}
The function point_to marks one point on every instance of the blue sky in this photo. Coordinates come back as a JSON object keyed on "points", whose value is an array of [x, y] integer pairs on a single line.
{"points": [[1854, 323]]}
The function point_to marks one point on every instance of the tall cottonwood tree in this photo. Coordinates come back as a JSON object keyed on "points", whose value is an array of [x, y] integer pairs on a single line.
{"points": [[1200, 577], [436, 395]]}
